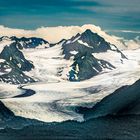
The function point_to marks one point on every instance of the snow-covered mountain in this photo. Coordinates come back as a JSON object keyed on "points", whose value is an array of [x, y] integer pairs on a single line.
{"points": [[43, 76], [88, 41], [86, 66], [124, 100], [81, 48], [13, 65], [72, 54], [23, 42]]}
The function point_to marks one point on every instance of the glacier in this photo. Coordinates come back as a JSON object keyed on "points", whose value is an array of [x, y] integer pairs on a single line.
{"points": [[56, 100]]}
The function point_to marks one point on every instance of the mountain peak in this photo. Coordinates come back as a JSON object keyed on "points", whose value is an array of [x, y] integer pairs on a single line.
{"points": [[24, 42], [88, 31], [4, 38]]}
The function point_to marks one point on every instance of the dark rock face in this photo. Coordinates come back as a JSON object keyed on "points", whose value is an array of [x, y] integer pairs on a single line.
{"points": [[95, 42], [82, 47], [123, 101], [15, 64], [15, 57], [86, 66], [16, 76], [5, 113], [4, 38], [60, 42], [90, 42], [93, 39], [32, 42], [14, 60], [24, 42]]}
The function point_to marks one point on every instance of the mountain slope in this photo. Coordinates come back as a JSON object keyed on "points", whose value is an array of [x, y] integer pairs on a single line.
{"points": [[87, 41], [87, 44], [124, 100], [23, 42], [81, 49], [13, 66], [86, 66]]}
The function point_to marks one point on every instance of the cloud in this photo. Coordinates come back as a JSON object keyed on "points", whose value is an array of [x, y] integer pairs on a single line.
{"points": [[133, 44], [124, 31], [55, 34]]}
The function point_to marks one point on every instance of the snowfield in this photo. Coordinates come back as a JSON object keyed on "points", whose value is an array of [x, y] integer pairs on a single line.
{"points": [[48, 63], [9, 91]]}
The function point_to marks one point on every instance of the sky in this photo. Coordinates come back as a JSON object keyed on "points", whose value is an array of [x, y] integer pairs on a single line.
{"points": [[111, 15]]}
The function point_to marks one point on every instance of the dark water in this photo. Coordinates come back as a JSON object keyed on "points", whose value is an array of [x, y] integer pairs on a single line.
{"points": [[108, 128]]}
